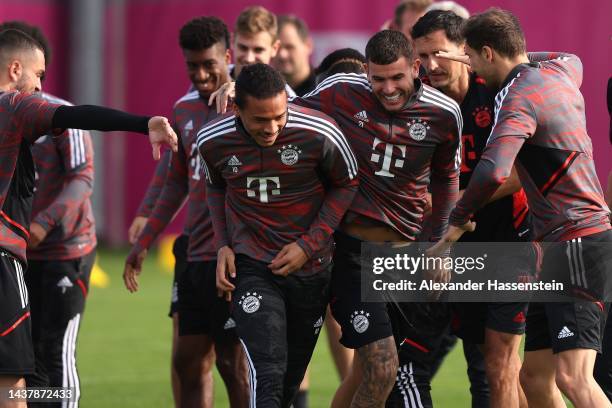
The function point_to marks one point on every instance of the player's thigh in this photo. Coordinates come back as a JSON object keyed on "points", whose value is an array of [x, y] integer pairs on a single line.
{"points": [[362, 323], [259, 310], [195, 300], [16, 350]]}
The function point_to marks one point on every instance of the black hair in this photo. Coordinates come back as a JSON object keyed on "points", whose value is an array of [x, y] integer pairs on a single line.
{"points": [[436, 20], [260, 81], [387, 46], [202, 33], [34, 32], [341, 55]]}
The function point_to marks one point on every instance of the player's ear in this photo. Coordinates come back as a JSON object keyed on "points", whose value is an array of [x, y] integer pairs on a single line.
{"points": [[235, 109], [275, 47], [415, 67], [228, 56], [487, 53], [15, 70]]}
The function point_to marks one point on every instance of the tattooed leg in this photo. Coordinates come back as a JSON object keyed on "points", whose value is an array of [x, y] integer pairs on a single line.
{"points": [[379, 364]]}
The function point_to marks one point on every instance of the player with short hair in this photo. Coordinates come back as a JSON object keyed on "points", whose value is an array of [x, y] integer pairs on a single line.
{"points": [[255, 38], [61, 248], [548, 144], [24, 118], [498, 327], [405, 134], [293, 57], [279, 179], [204, 325], [255, 41]]}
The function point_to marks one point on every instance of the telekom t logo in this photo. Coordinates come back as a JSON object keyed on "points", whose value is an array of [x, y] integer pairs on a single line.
{"points": [[263, 187], [386, 164]]}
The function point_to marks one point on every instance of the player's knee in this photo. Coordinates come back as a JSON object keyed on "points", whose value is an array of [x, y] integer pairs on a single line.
{"points": [[190, 366], [570, 381], [500, 366], [232, 369]]}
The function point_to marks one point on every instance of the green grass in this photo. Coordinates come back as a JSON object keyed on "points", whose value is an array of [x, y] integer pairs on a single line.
{"points": [[124, 349]]}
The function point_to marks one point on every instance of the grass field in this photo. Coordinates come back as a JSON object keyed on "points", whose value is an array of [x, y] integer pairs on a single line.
{"points": [[124, 349]]}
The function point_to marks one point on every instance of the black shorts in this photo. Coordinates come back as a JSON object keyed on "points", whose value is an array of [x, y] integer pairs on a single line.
{"points": [[179, 250], [584, 264], [412, 387], [200, 310], [418, 329], [565, 326], [362, 323], [16, 349], [58, 290], [469, 320], [278, 320]]}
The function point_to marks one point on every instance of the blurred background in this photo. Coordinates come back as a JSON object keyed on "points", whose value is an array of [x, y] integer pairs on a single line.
{"points": [[125, 54]]}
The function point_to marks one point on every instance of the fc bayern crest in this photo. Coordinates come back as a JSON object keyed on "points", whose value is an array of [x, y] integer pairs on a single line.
{"points": [[482, 116], [418, 129], [289, 154], [360, 321], [250, 302]]}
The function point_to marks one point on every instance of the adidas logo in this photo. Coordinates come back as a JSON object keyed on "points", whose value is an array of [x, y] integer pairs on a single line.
{"points": [[64, 283], [362, 116], [230, 324], [565, 332], [233, 161], [319, 322]]}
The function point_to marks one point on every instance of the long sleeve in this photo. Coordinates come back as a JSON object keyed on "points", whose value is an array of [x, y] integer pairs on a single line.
{"points": [[323, 97], [215, 196], [169, 202], [32, 114], [569, 63], [444, 185], [339, 167], [76, 150], [94, 117], [155, 186]]}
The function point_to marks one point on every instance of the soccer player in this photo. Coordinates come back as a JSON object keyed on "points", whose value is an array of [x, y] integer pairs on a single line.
{"points": [[540, 128], [24, 118], [279, 179], [498, 327], [255, 38], [293, 57], [61, 248], [404, 134], [255, 41], [203, 318]]}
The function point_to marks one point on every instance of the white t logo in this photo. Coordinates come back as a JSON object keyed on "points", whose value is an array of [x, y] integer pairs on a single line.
{"points": [[386, 165], [263, 187]]}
